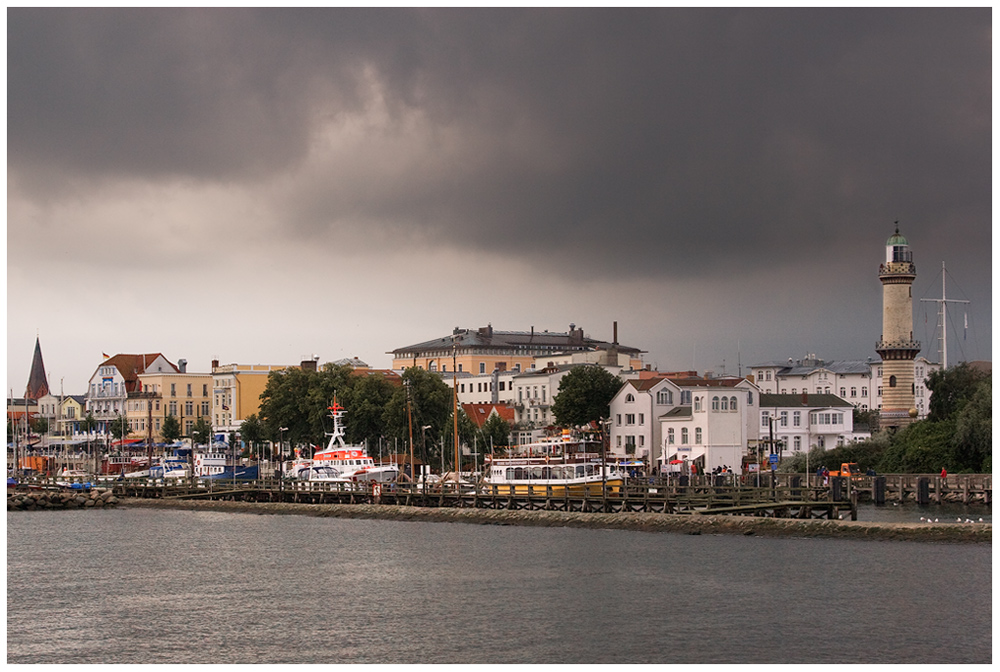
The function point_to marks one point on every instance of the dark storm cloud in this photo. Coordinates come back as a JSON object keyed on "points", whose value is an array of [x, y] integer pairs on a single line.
{"points": [[622, 141]]}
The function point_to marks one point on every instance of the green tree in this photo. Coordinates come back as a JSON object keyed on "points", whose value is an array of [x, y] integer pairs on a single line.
{"points": [[39, 425], [496, 433], [119, 427], [951, 389], [972, 447], [585, 395], [430, 402], [365, 403], [252, 432], [201, 432], [171, 429]]}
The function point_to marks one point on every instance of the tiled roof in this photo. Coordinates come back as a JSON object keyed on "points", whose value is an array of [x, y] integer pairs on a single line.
{"points": [[644, 384], [480, 413], [130, 366]]}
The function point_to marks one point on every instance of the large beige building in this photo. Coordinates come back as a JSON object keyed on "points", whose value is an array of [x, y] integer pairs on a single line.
{"points": [[484, 350], [186, 396], [236, 390]]}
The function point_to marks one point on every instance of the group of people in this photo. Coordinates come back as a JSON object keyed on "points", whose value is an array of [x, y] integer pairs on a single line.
{"points": [[724, 469]]}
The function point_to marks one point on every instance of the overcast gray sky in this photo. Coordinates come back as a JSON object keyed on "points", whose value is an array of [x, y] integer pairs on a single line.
{"points": [[256, 186]]}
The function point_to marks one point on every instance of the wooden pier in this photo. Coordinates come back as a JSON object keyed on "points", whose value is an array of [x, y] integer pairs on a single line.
{"points": [[637, 496], [777, 496]]}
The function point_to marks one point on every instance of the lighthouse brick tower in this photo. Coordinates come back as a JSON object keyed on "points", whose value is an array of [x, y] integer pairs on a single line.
{"points": [[897, 347]]}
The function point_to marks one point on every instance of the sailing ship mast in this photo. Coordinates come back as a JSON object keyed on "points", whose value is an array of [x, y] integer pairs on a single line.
{"points": [[944, 301]]}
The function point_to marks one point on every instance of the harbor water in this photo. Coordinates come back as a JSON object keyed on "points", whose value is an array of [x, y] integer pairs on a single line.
{"points": [[163, 586]]}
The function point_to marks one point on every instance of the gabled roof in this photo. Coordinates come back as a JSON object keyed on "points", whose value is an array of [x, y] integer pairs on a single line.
{"points": [[803, 401], [480, 413], [131, 366]]}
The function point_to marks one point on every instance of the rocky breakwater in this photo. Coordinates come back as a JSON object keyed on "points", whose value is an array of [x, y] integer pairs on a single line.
{"points": [[641, 522], [33, 500]]}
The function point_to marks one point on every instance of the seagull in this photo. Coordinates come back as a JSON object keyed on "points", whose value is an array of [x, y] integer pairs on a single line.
{"points": [[922, 519], [980, 520], [959, 520], [935, 520]]}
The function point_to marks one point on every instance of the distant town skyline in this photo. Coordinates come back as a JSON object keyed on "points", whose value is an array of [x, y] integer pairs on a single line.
{"points": [[260, 186]]}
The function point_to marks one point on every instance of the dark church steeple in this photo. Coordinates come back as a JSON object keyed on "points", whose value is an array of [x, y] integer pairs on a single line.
{"points": [[38, 383]]}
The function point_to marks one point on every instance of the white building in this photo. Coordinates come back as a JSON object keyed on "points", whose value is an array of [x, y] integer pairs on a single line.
{"points": [[714, 425], [804, 421], [854, 381], [111, 383]]}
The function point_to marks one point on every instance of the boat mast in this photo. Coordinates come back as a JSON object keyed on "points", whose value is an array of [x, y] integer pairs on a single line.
{"points": [[944, 301], [454, 395]]}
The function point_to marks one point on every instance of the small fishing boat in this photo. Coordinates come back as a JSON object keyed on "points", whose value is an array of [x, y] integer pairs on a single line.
{"points": [[557, 465]]}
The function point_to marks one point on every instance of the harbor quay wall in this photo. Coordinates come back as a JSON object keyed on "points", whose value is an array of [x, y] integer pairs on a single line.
{"points": [[637, 521]]}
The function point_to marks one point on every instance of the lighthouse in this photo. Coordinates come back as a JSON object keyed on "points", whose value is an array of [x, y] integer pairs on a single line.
{"points": [[897, 347]]}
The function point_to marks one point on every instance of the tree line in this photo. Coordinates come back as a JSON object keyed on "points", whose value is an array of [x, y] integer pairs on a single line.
{"points": [[379, 411]]}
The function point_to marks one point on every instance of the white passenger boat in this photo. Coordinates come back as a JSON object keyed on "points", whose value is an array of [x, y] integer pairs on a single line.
{"points": [[555, 465], [351, 462]]}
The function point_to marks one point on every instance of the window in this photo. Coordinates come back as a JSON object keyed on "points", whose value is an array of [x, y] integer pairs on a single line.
{"points": [[864, 392], [482, 367], [697, 435], [642, 419], [892, 381], [204, 390], [796, 418], [630, 418], [618, 419], [188, 408], [797, 443], [173, 389], [670, 436], [697, 404], [715, 403], [732, 403], [189, 389], [725, 404], [684, 436], [843, 392], [749, 398], [854, 392], [629, 398], [765, 417], [784, 418], [685, 397], [665, 397], [173, 408]]}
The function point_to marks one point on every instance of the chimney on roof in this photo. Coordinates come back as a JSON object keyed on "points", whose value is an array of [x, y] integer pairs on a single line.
{"points": [[182, 365], [615, 341], [308, 364], [215, 364], [486, 331]]}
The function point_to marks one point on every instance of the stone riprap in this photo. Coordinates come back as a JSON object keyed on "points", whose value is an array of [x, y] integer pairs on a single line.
{"points": [[644, 522], [34, 500]]}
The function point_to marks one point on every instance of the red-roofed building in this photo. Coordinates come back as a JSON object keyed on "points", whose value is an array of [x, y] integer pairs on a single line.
{"points": [[118, 376], [480, 413]]}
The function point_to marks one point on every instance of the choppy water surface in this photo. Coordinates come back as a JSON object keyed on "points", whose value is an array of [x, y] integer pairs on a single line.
{"points": [[152, 586]]}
